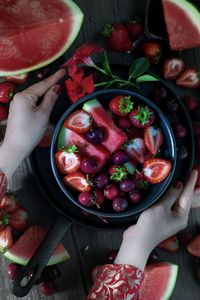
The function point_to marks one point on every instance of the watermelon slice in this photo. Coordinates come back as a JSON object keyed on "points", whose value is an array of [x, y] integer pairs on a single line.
{"points": [[68, 137], [159, 281], [25, 247], [34, 33], [183, 24], [114, 137]]}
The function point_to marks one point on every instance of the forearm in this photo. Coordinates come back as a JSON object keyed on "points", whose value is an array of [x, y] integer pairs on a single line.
{"points": [[9, 160]]}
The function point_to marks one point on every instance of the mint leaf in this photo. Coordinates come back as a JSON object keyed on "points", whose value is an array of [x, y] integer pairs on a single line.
{"points": [[145, 78], [106, 64], [138, 67]]}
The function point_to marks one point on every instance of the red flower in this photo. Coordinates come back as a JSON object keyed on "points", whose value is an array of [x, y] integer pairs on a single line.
{"points": [[77, 86], [80, 55]]}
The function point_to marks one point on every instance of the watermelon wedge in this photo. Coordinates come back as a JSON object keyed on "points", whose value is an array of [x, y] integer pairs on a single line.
{"points": [[34, 33], [25, 247], [159, 281], [114, 136], [68, 137], [183, 24]]}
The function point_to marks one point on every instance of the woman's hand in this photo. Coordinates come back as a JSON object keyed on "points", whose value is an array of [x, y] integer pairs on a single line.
{"points": [[157, 224], [27, 121]]}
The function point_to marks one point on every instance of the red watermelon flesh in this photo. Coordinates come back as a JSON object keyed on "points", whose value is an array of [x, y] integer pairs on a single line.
{"points": [[114, 137], [97, 152], [34, 33], [183, 24], [28, 243], [159, 281]]}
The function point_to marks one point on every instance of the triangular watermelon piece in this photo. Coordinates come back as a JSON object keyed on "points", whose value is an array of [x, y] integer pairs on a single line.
{"points": [[159, 281], [183, 24], [25, 247]]}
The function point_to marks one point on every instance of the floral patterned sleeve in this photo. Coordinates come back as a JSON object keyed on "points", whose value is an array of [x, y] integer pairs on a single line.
{"points": [[116, 282], [3, 184]]}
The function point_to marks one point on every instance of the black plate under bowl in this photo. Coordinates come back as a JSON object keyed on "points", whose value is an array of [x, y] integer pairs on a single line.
{"points": [[40, 161]]}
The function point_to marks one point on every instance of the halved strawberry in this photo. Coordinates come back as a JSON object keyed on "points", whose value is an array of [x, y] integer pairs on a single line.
{"points": [[121, 105], [67, 161], [9, 204], [171, 244], [172, 67], [77, 181], [18, 219], [117, 173], [156, 170], [153, 138], [194, 246], [79, 121], [19, 79], [6, 239], [142, 116], [136, 149], [189, 78]]}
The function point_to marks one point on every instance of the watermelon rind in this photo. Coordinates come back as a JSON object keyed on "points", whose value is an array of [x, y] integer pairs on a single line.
{"points": [[89, 105], [77, 20], [172, 282], [55, 259], [62, 137]]}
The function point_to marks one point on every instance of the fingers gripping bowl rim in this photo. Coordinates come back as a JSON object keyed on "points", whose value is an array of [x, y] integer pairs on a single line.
{"points": [[156, 191]]}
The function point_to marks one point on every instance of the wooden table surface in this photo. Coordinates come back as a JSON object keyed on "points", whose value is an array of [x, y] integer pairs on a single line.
{"points": [[75, 280]]}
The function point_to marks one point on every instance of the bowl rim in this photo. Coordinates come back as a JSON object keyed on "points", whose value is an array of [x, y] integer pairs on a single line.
{"points": [[88, 97]]}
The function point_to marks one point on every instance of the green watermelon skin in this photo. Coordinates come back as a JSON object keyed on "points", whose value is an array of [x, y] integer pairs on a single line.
{"points": [[40, 32], [68, 137], [25, 247], [183, 24], [159, 281], [114, 136]]}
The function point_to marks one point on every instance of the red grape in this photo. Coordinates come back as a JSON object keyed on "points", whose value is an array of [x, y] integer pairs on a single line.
{"points": [[95, 136], [111, 191], [101, 180], [86, 198], [119, 204], [13, 271], [135, 196], [48, 288], [127, 185], [120, 157], [88, 166]]}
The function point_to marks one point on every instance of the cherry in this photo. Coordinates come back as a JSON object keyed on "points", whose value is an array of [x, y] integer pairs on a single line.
{"points": [[48, 288], [135, 196], [119, 204], [184, 238], [180, 130], [153, 257], [42, 73], [112, 255], [111, 191], [182, 152], [13, 271]]}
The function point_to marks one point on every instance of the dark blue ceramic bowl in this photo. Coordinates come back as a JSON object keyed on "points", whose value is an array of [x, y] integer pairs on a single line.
{"points": [[155, 191]]}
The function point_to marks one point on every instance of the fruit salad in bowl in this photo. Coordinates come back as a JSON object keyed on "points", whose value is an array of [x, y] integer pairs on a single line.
{"points": [[113, 153]]}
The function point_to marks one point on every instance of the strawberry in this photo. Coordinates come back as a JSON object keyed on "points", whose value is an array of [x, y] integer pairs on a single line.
{"points": [[117, 38], [6, 239], [142, 116], [152, 51], [190, 103], [3, 113], [6, 92], [194, 246], [18, 79], [47, 137], [172, 67], [170, 245], [117, 173], [189, 78], [153, 138], [79, 121], [121, 105], [18, 219], [197, 167], [136, 149], [134, 28], [156, 170], [140, 181], [67, 161], [9, 204], [77, 181]]}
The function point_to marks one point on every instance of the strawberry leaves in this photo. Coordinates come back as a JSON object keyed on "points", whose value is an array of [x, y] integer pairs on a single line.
{"points": [[138, 67]]}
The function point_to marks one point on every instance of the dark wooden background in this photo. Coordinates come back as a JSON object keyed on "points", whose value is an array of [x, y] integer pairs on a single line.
{"points": [[89, 247]]}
